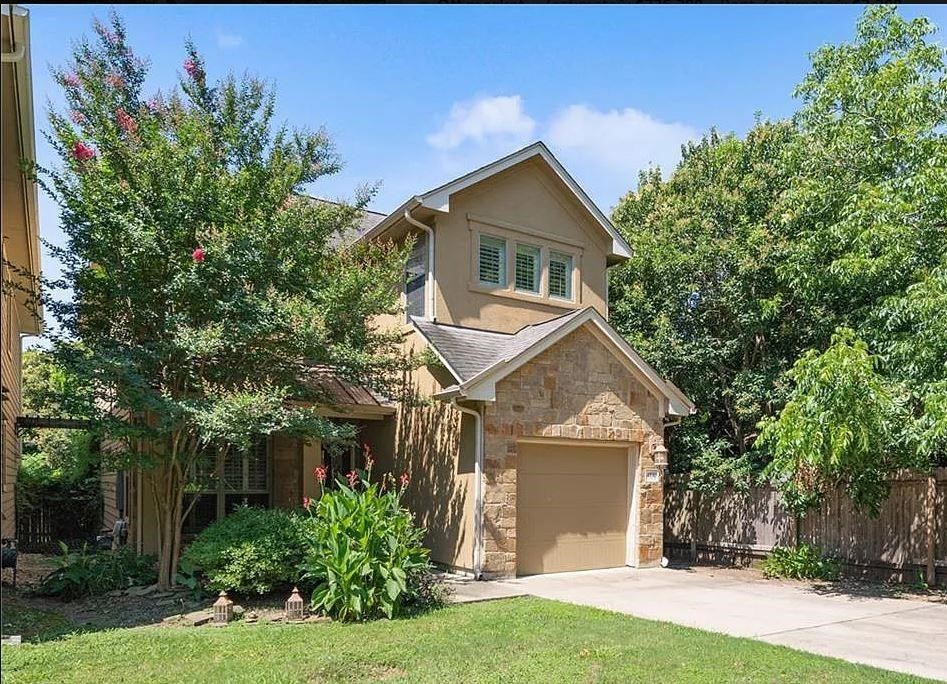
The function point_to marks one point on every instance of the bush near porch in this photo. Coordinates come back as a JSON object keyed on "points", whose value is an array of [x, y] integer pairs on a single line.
{"points": [[356, 549]]}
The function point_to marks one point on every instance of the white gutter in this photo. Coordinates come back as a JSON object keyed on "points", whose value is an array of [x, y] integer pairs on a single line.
{"points": [[478, 488], [431, 281]]}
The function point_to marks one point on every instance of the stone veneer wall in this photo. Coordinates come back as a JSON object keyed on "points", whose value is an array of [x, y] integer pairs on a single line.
{"points": [[577, 389]]}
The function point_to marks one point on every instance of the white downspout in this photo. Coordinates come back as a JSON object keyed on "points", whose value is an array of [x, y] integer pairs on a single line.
{"points": [[478, 487], [431, 280]]}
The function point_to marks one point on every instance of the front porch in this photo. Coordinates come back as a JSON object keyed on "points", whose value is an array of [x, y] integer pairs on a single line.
{"points": [[277, 472]]}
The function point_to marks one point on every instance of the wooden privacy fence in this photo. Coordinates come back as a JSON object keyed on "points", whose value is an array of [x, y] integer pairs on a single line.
{"points": [[739, 527]]}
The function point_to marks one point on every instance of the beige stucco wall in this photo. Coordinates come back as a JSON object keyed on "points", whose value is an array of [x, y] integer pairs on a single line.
{"points": [[434, 443], [526, 202], [576, 390]]}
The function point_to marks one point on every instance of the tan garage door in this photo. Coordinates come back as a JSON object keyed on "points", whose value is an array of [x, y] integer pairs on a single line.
{"points": [[571, 507]]}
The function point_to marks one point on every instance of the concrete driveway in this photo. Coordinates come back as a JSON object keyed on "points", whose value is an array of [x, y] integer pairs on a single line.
{"points": [[906, 635]]}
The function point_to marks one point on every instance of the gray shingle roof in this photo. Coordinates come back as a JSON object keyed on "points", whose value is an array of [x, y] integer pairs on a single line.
{"points": [[470, 351], [366, 221]]}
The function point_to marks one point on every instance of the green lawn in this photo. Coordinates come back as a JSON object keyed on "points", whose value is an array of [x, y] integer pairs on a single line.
{"points": [[523, 639]]}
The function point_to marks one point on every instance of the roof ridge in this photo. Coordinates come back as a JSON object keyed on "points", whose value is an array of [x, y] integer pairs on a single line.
{"points": [[554, 318], [463, 327], [339, 204]]}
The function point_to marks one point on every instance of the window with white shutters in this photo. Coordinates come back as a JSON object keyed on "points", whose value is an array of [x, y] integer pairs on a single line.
{"points": [[560, 275], [527, 268], [492, 265]]}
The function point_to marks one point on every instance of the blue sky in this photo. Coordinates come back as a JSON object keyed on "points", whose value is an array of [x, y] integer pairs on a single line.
{"points": [[416, 95]]}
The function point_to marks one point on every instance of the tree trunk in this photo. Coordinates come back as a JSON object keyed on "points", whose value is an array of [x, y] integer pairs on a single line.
{"points": [[931, 529], [169, 494]]}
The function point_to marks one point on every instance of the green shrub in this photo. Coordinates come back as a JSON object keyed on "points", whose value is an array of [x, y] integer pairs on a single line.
{"points": [[252, 550], [804, 562], [89, 573], [367, 559]]}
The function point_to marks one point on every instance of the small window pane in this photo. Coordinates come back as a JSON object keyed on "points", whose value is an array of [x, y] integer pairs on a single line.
{"points": [[560, 275], [527, 268], [492, 261], [415, 278]]}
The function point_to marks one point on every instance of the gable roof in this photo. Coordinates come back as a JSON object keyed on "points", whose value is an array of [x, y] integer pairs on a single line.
{"points": [[438, 199], [478, 359]]}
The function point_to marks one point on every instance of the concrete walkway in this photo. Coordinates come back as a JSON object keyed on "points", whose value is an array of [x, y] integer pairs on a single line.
{"points": [[896, 634]]}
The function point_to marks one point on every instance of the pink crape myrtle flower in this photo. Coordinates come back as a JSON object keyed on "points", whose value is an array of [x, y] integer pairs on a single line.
{"points": [[115, 81], [352, 477], [125, 121], [198, 255], [78, 118], [192, 68], [71, 80], [82, 152]]}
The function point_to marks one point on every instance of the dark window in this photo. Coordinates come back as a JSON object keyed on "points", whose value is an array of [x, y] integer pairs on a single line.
{"points": [[415, 278]]}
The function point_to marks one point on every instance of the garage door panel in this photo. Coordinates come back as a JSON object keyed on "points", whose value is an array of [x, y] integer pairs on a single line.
{"points": [[546, 489], [541, 558], [572, 507]]}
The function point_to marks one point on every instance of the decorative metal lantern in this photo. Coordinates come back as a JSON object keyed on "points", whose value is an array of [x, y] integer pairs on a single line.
{"points": [[295, 608], [660, 456], [223, 609]]}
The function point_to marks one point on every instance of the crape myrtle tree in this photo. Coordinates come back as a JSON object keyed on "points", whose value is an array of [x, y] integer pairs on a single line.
{"points": [[203, 284]]}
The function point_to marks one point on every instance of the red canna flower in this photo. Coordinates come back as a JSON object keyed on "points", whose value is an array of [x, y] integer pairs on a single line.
{"points": [[404, 479], [352, 478], [125, 121], [320, 474], [307, 502], [82, 152], [198, 255]]}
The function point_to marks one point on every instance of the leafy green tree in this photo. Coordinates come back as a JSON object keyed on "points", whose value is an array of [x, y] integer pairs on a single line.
{"points": [[700, 297], [204, 286], [835, 428], [820, 240], [867, 213], [51, 455]]}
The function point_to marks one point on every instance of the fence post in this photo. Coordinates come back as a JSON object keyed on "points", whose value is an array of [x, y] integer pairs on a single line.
{"points": [[931, 528], [695, 522]]}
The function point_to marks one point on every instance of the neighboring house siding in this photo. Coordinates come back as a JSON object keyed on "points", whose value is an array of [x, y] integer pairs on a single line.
{"points": [[530, 197], [10, 376], [576, 390]]}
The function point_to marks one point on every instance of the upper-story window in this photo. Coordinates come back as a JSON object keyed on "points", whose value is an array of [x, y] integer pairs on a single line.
{"points": [[415, 278], [560, 275], [525, 264], [528, 260], [492, 261]]}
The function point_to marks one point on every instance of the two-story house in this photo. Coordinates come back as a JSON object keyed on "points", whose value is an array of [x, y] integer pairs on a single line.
{"points": [[540, 446], [534, 438]]}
